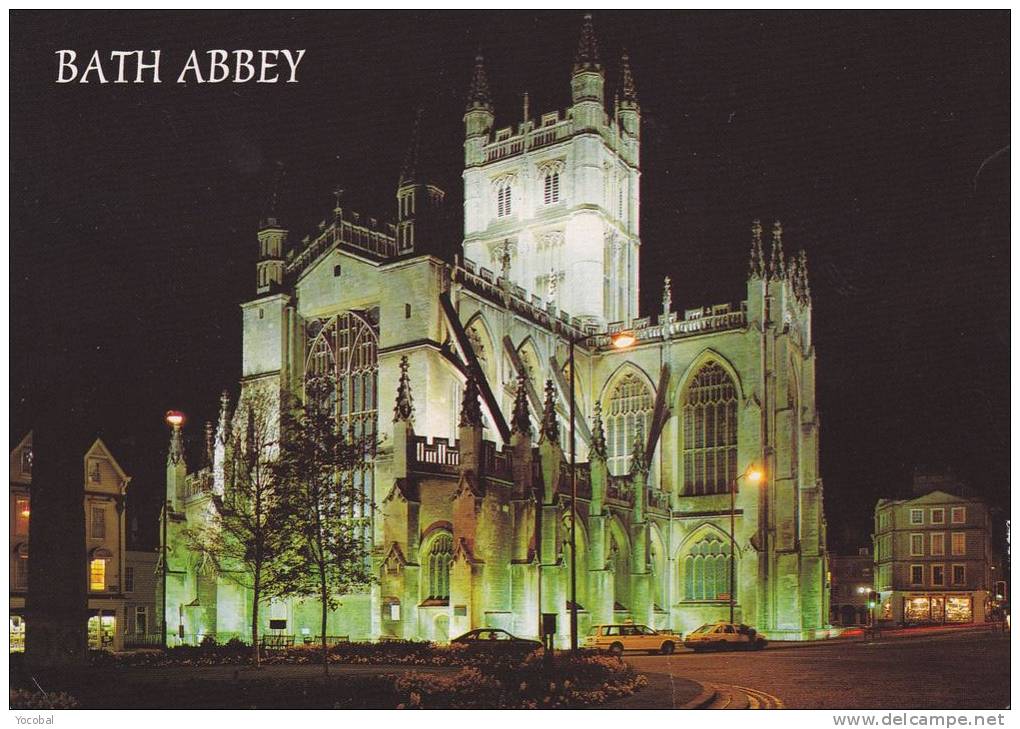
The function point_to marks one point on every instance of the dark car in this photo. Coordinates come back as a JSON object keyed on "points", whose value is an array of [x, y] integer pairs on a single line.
{"points": [[496, 639]]}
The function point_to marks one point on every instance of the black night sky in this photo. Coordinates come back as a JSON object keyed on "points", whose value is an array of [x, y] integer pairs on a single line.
{"points": [[880, 140]]}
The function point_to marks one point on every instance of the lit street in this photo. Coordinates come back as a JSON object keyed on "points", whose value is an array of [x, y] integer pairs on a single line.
{"points": [[968, 670]]}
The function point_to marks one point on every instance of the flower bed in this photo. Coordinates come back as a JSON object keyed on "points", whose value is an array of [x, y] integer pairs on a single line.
{"points": [[27, 699], [534, 684]]}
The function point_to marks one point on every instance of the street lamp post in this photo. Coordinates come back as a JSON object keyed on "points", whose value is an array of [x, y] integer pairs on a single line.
{"points": [[754, 476], [620, 340], [175, 420]]}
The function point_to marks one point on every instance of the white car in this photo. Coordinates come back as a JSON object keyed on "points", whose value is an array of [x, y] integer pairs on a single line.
{"points": [[716, 636]]}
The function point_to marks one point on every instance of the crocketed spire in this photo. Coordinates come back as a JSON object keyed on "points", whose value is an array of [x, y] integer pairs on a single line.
{"points": [[478, 94], [667, 296], [805, 285], [223, 427], [404, 408], [175, 454], [627, 90], [521, 420], [271, 196], [638, 464], [598, 434], [793, 276], [756, 266], [210, 439], [470, 410], [550, 423], [777, 261], [587, 58], [409, 170]]}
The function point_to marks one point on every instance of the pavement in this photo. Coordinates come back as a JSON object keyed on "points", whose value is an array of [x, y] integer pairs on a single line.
{"points": [[915, 668]]}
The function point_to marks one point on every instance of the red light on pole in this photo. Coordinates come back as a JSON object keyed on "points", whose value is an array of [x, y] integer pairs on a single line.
{"points": [[175, 418]]}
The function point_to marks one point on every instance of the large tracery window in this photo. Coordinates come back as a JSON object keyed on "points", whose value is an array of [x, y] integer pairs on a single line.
{"points": [[630, 403], [440, 556], [707, 571], [345, 351], [710, 432]]}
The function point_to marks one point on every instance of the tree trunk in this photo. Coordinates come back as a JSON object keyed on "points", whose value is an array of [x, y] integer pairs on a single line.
{"points": [[256, 656], [325, 655]]}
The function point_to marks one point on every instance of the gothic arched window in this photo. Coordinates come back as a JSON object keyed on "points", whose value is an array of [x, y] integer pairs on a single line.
{"points": [[710, 432], [437, 567], [551, 186], [344, 357], [629, 404], [707, 571]]}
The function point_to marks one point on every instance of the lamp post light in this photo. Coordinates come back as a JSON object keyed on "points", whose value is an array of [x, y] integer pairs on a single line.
{"points": [[754, 476], [175, 419], [619, 340]]}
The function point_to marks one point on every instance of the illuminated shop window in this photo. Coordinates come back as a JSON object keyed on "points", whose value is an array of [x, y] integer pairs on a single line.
{"points": [[710, 432], [959, 609], [630, 403]]}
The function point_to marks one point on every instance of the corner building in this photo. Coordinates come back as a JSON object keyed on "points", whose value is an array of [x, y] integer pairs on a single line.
{"points": [[460, 368]]}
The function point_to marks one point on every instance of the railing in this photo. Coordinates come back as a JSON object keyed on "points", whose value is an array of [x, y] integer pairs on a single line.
{"points": [[354, 235], [147, 640], [439, 456], [697, 321], [496, 463], [540, 137], [196, 484]]}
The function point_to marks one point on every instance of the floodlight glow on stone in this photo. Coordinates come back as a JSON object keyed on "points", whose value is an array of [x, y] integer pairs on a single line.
{"points": [[623, 340]]}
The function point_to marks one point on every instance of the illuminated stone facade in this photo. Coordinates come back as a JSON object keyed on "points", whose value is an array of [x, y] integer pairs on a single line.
{"points": [[459, 367]]}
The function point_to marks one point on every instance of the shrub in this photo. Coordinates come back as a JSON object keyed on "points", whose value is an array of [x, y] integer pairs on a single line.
{"points": [[208, 641], [24, 699]]}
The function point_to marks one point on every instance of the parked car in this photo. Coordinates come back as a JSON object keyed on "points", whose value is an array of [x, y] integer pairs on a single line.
{"points": [[717, 636], [620, 637], [496, 639]]}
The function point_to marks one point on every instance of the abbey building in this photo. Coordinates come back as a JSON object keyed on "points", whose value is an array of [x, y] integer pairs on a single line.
{"points": [[460, 371]]}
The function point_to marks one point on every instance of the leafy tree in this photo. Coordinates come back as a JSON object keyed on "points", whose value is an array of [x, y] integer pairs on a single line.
{"points": [[318, 463], [244, 534]]}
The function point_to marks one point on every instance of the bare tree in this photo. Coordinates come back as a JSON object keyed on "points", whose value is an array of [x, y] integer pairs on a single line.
{"points": [[320, 463], [244, 535]]}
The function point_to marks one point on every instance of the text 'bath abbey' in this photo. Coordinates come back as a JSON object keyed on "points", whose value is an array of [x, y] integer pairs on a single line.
{"points": [[459, 372]]}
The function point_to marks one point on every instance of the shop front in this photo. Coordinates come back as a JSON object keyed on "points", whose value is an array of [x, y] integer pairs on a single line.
{"points": [[938, 608]]}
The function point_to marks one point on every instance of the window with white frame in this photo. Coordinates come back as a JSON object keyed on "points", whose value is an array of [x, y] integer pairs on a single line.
{"points": [[630, 406], [917, 516], [916, 574], [938, 544], [959, 544], [959, 574], [710, 432], [97, 574], [938, 575], [883, 520], [916, 545], [141, 619], [958, 515], [98, 526], [938, 516]]}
